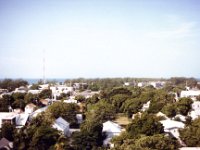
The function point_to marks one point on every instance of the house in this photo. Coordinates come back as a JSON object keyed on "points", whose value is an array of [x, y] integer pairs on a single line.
{"points": [[21, 89], [43, 86], [137, 114], [141, 84], [111, 129], [189, 148], [38, 111], [3, 91], [87, 93], [194, 114], [190, 93], [44, 102], [5, 144], [172, 127], [156, 84], [196, 105], [8, 117], [146, 106], [34, 91], [61, 125], [30, 108], [70, 101], [181, 117], [79, 118], [21, 120], [58, 89], [16, 119]]}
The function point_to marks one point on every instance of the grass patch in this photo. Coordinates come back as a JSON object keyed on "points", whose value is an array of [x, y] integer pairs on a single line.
{"points": [[122, 119]]}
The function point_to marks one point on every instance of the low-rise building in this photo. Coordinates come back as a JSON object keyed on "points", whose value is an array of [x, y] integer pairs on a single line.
{"points": [[111, 129], [61, 125]]}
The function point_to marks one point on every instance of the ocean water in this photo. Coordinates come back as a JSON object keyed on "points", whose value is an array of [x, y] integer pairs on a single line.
{"points": [[32, 81]]}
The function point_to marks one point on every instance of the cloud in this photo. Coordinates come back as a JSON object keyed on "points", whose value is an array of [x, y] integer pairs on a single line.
{"points": [[183, 30]]}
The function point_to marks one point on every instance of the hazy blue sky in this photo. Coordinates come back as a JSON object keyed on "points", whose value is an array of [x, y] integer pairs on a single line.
{"points": [[99, 38]]}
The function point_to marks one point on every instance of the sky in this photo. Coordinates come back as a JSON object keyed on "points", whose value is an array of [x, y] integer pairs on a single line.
{"points": [[104, 38]]}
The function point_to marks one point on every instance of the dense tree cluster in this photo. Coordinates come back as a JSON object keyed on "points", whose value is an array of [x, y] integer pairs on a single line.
{"points": [[10, 84], [191, 134]]}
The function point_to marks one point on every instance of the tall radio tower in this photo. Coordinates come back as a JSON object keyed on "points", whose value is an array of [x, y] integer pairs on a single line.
{"points": [[44, 79]]}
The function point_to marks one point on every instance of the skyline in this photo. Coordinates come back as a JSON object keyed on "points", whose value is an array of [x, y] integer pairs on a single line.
{"points": [[99, 39]]}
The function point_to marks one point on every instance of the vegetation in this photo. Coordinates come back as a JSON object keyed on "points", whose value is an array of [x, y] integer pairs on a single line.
{"points": [[114, 102], [191, 134], [10, 84]]}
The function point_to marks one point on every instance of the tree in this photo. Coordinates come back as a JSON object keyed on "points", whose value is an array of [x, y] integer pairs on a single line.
{"points": [[43, 138], [101, 111], [46, 93], [146, 124], [18, 95], [5, 102], [80, 98], [118, 100], [169, 110], [184, 105], [19, 103], [190, 135], [12, 84], [157, 141], [120, 90], [30, 98], [132, 106], [37, 135], [7, 131], [159, 100], [66, 110], [89, 137]]}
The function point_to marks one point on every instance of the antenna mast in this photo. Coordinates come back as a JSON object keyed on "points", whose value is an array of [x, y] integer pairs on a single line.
{"points": [[44, 80]]}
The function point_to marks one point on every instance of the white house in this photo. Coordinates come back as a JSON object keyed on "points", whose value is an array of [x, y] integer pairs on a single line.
{"points": [[190, 93], [61, 125], [111, 129], [58, 89], [43, 86], [156, 84], [181, 117], [9, 117], [34, 91], [21, 119], [70, 101], [171, 126], [30, 108], [13, 118], [196, 105], [38, 111], [21, 89], [194, 114], [160, 114], [79, 118], [146, 106]]}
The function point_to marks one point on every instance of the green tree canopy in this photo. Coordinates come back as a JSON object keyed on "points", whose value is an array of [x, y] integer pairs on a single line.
{"points": [[146, 124], [7, 131], [191, 134], [184, 105], [66, 110]]}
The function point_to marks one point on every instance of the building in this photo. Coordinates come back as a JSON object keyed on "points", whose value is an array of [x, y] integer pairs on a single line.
{"points": [[172, 127], [62, 125], [111, 129], [190, 93], [8, 117], [30, 108]]}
